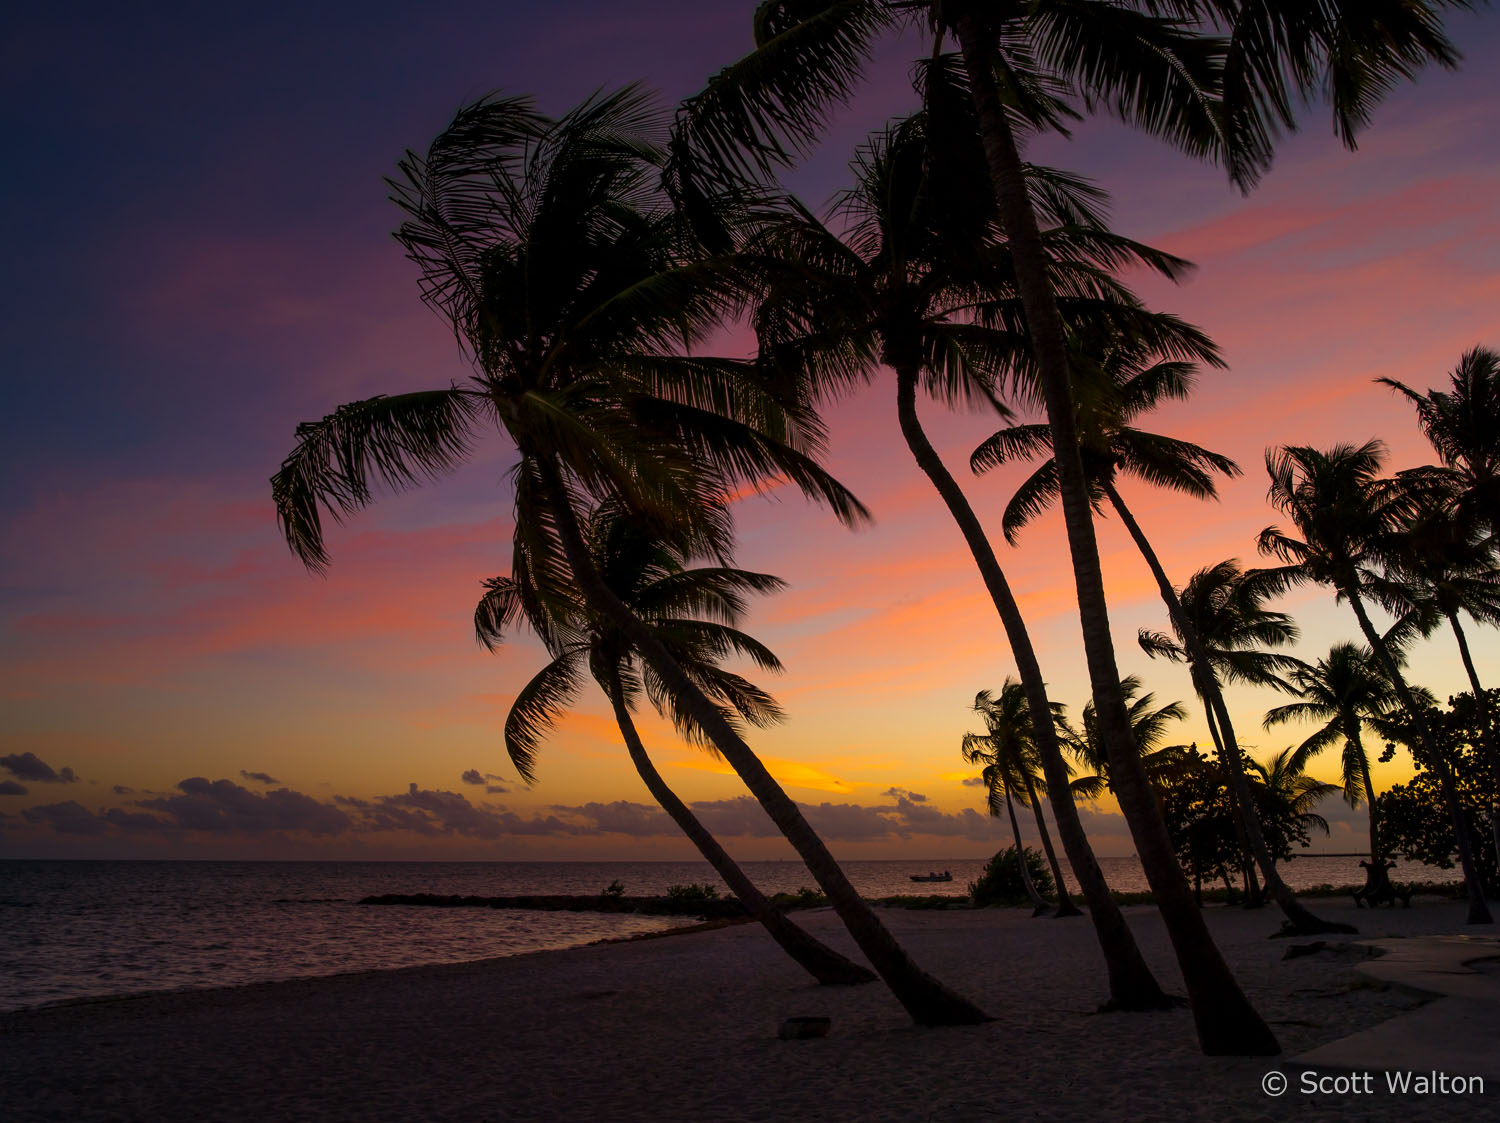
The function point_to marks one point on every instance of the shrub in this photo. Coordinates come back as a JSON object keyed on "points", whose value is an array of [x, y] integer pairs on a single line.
{"points": [[1001, 884], [614, 889], [692, 893]]}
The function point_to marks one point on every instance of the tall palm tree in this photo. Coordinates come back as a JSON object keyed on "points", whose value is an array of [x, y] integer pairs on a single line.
{"points": [[1022, 58], [1345, 690], [1347, 514], [552, 248], [1225, 608], [694, 611], [1463, 426], [1116, 381], [1437, 569], [1012, 763], [897, 286]]}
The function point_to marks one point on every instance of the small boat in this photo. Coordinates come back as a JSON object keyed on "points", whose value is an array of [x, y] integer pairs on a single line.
{"points": [[944, 876]]}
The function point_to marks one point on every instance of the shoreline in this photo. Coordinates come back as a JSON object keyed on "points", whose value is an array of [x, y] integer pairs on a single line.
{"points": [[650, 1029]]}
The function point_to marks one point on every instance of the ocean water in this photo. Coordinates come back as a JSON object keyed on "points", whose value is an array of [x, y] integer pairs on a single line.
{"points": [[71, 930]]}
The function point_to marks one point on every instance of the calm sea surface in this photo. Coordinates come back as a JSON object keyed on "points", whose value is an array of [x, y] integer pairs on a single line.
{"points": [[89, 929]]}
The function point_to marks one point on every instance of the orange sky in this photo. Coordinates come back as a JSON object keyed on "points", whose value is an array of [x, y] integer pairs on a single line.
{"points": [[155, 632]]}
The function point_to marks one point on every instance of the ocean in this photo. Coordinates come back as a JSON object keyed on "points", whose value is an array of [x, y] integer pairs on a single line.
{"points": [[73, 930]]}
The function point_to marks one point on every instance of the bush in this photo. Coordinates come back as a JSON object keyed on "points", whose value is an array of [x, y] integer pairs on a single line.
{"points": [[1001, 884], [684, 893], [614, 889]]}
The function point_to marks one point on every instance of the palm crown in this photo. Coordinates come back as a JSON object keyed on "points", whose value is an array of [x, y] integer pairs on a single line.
{"points": [[692, 610], [552, 248], [1116, 379]]}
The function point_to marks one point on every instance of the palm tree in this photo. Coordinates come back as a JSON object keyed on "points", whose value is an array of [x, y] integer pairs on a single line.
{"points": [[553, 249], [1345, 690], [1463, 426], [1436, 570], [1116, 380], [1288, 795], [1347, 515], [1022, 58], [694, 612], [897, 286], [1225, 608], [1148, 724], [1012, 764]]}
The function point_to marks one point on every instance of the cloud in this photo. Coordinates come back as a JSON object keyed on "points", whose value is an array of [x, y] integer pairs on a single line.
{"points": [[902, 793], [29, 766], [472, 776], [974, 782], [496, 789], [66, 818], [223, 807], [121, 789], [10, 787], [259, 778]]}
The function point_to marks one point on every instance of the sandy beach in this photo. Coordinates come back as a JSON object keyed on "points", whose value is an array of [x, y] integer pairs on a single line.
{"points": [[684, 1027]]}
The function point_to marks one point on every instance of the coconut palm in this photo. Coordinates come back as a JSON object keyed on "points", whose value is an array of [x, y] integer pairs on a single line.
{"points": [[1023, 57], [897, 285], [1463, 426], [1345, 691], [1002, 751], [1225, 607], [1012, 764], [1439, 568], [552, 248], [1346, 515], [694, 611], [1116, 380], [1149, 724], [1287, 796]]}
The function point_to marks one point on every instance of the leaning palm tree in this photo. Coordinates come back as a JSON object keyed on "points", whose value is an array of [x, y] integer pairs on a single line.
{"points": [[903, 283], [1117, 379], [1438, 569], [1345, 691], [1347, 515], [552, 248], [1012, 765], [694, 612], [1023, 59], [1463, 425], [1225, 608]]}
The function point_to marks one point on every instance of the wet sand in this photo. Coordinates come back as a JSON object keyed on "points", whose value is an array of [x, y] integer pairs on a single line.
{"points": [[684, 1028]]}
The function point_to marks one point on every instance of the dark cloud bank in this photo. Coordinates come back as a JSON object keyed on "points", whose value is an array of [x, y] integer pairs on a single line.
{"points": [[223, 808]]}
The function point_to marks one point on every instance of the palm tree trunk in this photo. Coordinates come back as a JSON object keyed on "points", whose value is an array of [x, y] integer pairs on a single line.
{"points": [[1254, 899], [1065, 906], [1479, 912], [1247, 822], [1482, 705], [928, 1001], [816, 958], [1038, 904], [1225, 1020], [1376, 854], [1131, 984]]}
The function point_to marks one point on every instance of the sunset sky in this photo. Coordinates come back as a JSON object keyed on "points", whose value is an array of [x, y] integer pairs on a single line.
{"points": [[200, 258]]}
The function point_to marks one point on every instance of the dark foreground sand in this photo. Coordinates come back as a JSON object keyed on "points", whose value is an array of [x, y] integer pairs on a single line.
{"points": [[684, 1028]]}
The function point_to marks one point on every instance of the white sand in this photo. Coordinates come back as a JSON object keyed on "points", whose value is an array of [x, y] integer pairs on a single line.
{"points": [[684, 1028]]}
